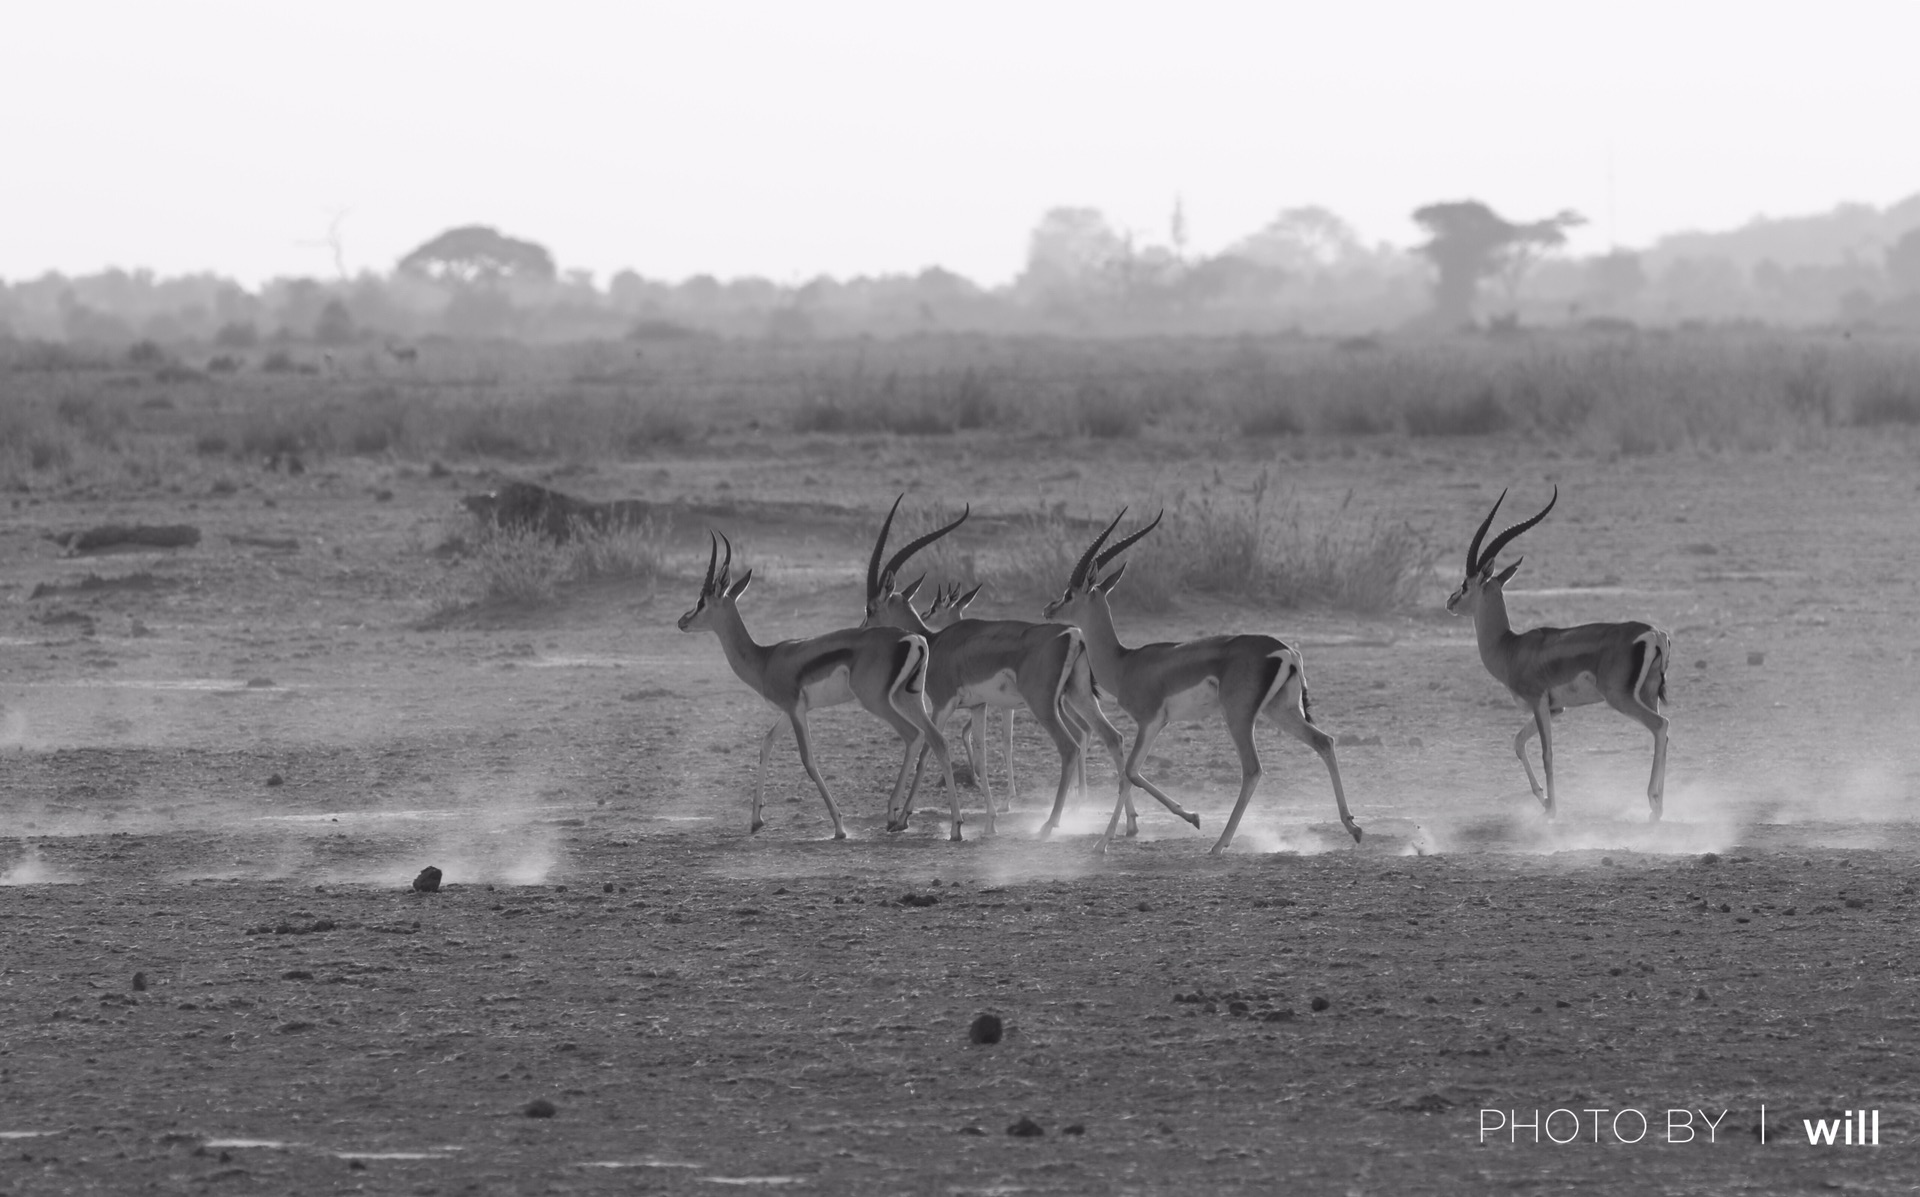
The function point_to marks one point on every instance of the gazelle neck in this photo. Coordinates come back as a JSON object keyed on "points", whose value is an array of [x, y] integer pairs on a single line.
{"points": [[747, 657], [901, 615], [1103, 643], [1492, 629]]}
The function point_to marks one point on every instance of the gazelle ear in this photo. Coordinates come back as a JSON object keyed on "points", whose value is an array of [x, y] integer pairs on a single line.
{"points": [[912, 588], [1106, 584], [1506, 575], [739, 588]]}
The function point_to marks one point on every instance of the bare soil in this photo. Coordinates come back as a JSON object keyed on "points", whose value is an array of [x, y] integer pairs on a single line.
{"points": [[223, 765]]}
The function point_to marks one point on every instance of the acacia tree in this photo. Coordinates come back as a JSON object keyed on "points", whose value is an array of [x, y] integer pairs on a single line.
{"points": [[476, 253], [1470, 242]]}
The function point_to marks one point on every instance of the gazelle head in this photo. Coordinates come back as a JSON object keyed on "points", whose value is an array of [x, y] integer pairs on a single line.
{"points": [[718, 590], [1480, 576], [1086, 585], [887, 607], [949, 606]]}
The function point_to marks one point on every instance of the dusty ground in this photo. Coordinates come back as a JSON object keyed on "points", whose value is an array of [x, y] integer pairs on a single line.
{"points": [[219, 777]]}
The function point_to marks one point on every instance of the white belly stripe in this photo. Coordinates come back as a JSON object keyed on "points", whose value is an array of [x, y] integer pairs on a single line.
{"points": [[831, 690], [996, 691], [1194, 704]]}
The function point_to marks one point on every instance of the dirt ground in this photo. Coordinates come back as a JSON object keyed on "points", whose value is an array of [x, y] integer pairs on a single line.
{"points": [[222, 766]]}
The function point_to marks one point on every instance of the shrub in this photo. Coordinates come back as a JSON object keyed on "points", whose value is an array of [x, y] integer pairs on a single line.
{"points": [[1478, 416], [519, 566], [617, 553], [1107, 415], [1887, 401], [237, 334], [1276, 418], [1240, 549]]}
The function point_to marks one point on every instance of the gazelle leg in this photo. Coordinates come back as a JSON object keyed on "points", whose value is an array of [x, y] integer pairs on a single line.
{"points": [[1302, 729], [1142, 744], [760, 782], [918, 731], [1242, 733], [1520, 739], [1633, 708], [1007, 756], [1543, 721], [976, 741], [1094, 723], [799, 718], [1142, 741]]}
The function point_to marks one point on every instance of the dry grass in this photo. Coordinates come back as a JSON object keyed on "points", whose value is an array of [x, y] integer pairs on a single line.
{"points": [[1252, 548], [518, 566]]}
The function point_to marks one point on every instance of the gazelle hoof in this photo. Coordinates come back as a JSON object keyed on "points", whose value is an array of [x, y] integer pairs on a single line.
{"points": [[1354, 830], [839, 835], [755, 827], [1192, 817]]}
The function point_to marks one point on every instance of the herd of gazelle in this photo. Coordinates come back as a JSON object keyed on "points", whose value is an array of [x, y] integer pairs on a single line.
{"points": [[914, 669]]}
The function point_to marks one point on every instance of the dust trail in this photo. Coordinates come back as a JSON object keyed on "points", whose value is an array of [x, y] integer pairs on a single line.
{"points": [[31, 869], [1528, 833]]}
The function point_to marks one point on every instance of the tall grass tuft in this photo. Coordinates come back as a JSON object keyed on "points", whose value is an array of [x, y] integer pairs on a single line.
{"points": [[521, 566], [1252, 549]]}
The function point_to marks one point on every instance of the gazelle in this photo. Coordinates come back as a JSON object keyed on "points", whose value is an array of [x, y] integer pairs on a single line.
{"points": [[883, 669], [1549, 669], [949, 605], [1240, 677], [1004, 663]]}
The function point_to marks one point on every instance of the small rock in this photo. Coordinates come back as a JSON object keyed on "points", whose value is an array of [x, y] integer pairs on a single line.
{"points": [[986, 1029], [139, 982], [1286, 1015], [920, 900], [1756, 658], [1607, 860], [259, 683], [540, 1107], [1320, 1003], [1700, 995], [1144, 907], [1026, 1128], [607, 888], [383, 495], [1075, 1129], [428, 882], [1710, 858], [1238, 1009], [276, 780], [972, 1130]]}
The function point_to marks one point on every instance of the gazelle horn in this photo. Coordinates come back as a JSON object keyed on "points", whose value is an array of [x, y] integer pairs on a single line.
{"points": [[1124, 545], [706, 587], [1473, 549], [1079, 575], [880, 547], [1501, 541], [900, 558]]}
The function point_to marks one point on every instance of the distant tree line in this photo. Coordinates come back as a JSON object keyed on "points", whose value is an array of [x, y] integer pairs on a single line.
{"points": [[1306, 270]]}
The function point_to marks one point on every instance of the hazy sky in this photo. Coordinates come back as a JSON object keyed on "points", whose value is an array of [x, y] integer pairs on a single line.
{"points": [[800, 137]]}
